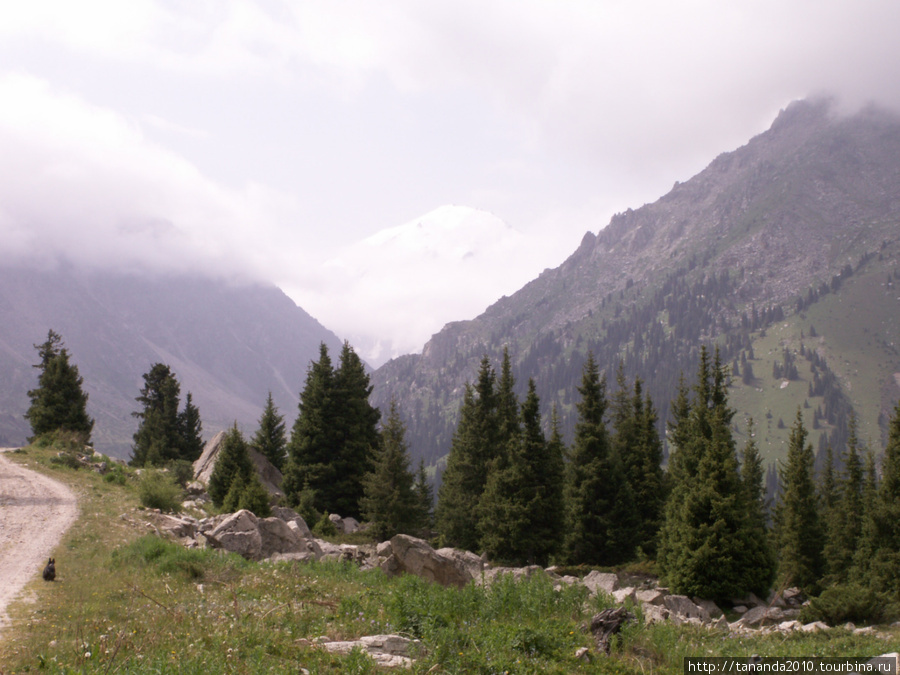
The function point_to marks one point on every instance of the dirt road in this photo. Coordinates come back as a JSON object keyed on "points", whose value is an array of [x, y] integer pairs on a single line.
{"points": [[35, 511]]}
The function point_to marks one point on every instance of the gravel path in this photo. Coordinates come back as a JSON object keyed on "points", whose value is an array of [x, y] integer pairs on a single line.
{"points": [[35, 511]]}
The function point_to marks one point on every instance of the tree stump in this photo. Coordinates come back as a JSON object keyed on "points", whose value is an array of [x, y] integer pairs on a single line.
{"points": [[606, 624]]}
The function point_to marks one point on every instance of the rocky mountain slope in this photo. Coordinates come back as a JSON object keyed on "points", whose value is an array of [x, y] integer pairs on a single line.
{"points": [[227, 344], [743, 254]]}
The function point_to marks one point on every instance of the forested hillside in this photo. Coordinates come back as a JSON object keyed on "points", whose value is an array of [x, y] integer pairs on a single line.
{"points": [[228, 344], [766, 253]]}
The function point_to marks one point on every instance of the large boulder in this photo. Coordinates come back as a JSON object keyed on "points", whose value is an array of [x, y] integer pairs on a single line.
{"points": [[269, 476], [238, 533], [601, 581], [414, 556], [682, 609], [277, 536]]}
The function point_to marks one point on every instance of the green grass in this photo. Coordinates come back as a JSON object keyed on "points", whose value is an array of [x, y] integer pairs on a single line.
{"points": [[854, 334], [129, 602]]}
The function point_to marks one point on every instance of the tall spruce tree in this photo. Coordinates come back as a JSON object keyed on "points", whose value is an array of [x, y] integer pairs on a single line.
{"points": [[522, 505], [334, 435], [58, 403], [270, 439], [637, 441], [357, 423], [190, 430], [708, 544], [389, 502], [600, 505], [424, 499], [877, 562], [842, 511], [159, 438], [798, 528], [472, 451], [314, 436]]}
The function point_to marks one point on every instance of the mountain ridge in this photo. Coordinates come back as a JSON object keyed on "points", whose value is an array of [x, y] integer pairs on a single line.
{"points": [[228, 344], [748, 235]]}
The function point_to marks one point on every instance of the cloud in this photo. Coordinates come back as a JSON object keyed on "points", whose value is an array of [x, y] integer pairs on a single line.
{"points": [[255, 137], [82, 183], [389, 293]]}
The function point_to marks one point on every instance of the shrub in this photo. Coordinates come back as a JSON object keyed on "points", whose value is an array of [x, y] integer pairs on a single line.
{"points": [[157, 490], [850, 602], [182, 471], [68, 441], [324, 527]]}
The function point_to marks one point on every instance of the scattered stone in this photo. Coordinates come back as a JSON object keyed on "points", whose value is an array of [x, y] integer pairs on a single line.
{"points": [[651, 596], [583, 654], [655, 614], [788, 626], [175, 526], [388, 651], [759, 616], [601, 581], [740, 609], [682, 608], [814, 627], [709, 607], [622, 594]]}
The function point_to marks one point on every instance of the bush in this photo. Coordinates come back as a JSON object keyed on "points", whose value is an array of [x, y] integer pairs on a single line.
{"points": [[851, 602], [66, 459], [324, 527], [157, 490], [182, 471], [116, 474], [67, 441]]}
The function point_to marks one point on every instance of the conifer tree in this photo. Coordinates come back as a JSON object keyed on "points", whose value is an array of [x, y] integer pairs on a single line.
{"points": [[314, 437], [830, 514], [637, 442], [507, 413], [270, 439], [191, 430], [233, 470], [878, 559], [357, 422], [158, 439], [843, 514], [472, 451], [522, 506], [334, 435], [757, 511], [798, 530], [709, 546], [390, 504], [424, 499], [599, 502], [58, 403]]}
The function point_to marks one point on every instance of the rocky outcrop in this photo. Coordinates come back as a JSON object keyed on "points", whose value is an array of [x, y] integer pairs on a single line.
{"points": [[410, 555], [269, 476]]}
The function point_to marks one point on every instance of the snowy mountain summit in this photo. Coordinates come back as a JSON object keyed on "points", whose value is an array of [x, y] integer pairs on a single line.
{"points": [[408, 281]]}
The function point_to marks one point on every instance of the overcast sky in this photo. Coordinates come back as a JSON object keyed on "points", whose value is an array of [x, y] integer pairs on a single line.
{"points": [[270, 138]]}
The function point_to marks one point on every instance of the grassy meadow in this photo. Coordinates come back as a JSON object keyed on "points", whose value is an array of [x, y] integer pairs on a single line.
{"points": [[126, 601]]}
